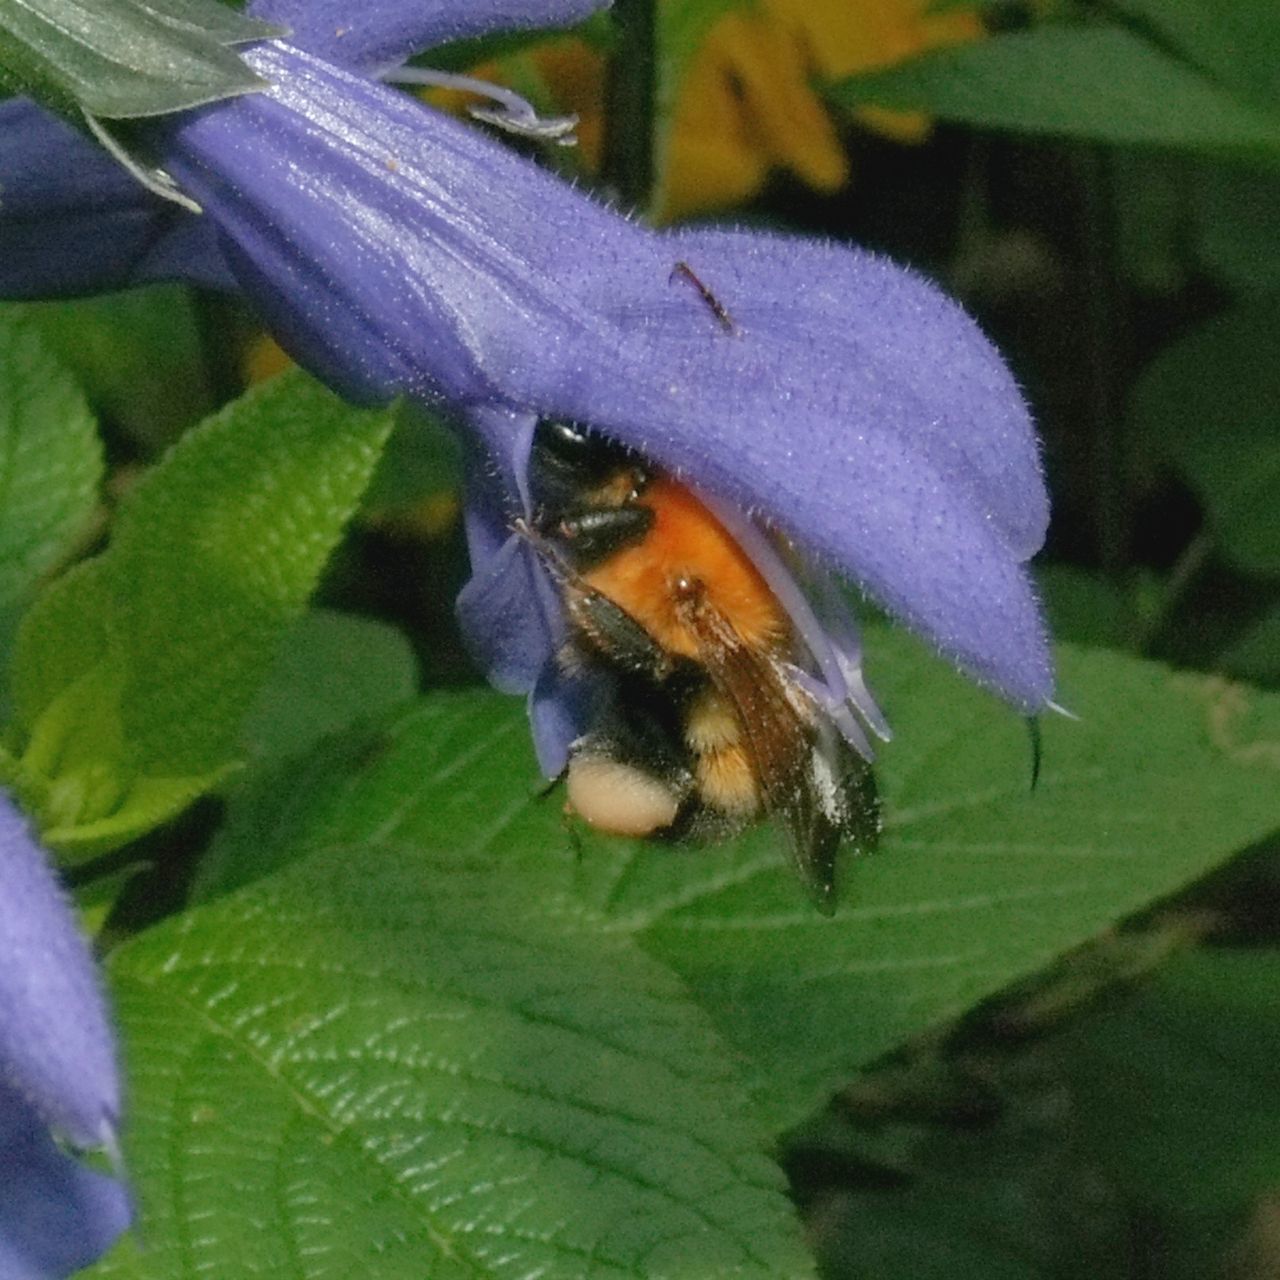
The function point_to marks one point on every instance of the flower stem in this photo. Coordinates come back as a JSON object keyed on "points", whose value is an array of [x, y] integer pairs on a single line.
{"points": [[1186, 570], [629, 98], [1105, 340]]}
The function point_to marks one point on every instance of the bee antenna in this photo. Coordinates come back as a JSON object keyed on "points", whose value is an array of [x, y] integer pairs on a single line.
{"points": [[546, 550], [1033, 731]]}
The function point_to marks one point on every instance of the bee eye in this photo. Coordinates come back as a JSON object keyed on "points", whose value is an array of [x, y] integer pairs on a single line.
{"points": [[567, 433]]}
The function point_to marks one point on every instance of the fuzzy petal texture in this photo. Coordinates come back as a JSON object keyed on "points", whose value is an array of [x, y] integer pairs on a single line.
{"points": [[846, 402], [507, 609], [862, 413], [852, 405], [72, 221], [56, 1047], [391, 31], [56, 1216], [390, 248]]}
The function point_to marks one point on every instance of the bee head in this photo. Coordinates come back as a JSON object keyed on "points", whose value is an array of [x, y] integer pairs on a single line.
{"points": [[574, 468]]}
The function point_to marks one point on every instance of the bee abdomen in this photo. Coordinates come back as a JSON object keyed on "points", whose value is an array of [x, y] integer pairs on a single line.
{"points": [[726, 778], [727, 783]]}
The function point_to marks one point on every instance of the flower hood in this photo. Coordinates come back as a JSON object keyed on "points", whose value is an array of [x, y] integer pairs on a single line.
{"points": [[849, 405]]}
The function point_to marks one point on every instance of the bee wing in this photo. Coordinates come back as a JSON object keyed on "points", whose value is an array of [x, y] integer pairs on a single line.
{"points": [[799, 758]]}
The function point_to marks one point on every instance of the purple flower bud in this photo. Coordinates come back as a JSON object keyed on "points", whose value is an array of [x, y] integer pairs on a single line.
{"points": [[56, 1216], [57, 1073], [56, 1046]]}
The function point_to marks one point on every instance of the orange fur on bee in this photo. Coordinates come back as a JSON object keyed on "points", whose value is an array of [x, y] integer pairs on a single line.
{"points": [[688, 542]]}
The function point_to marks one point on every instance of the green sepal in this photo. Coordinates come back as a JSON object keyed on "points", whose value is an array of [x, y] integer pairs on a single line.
{"points": [[121, 59]]}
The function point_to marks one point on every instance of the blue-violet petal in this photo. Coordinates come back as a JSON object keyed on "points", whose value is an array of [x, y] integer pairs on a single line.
{"points": [[56, 1216], [56, 1046], [392, 31]]}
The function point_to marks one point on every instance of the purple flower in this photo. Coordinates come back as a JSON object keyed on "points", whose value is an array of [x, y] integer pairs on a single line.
{"points": [[57, 1075], [853, 410]]}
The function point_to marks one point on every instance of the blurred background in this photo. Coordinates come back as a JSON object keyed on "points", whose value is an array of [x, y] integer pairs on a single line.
{"points": [[1100, 184]]}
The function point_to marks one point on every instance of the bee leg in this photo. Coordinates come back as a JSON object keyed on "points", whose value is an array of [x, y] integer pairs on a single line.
{"points": [[611, 632], [604, 628], [573, 834], [631, 774]]}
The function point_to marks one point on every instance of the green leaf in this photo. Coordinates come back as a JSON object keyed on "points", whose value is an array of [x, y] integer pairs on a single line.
{"points": [[1099, 83], [1178, 212], [421, 463], [333, 670], [391, 1061], [1083, 606], [336, 677], [1256, 655], [1236, 41], [133, 674], [1148, 193], [97, 898], [50, 460], [1209, 402], [137, 354], [1178, 1081], [1007, 1196], [125, 58], [1175, 1089], [978, 882], [1236, 236], [1131, 1142], [273, 806]]}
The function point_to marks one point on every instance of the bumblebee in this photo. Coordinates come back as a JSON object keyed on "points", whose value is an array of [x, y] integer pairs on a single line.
{"points": [[699, 726]]}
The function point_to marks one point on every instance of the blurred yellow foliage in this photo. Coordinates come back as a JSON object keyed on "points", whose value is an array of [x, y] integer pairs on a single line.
{"points": [[747, 105], [263, 360]]}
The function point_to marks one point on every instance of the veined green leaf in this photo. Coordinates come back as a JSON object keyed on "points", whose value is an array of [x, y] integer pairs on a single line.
{"points": [[1103, 84], [162, 641], [978, 882], [385, 1063], [1209, 402], [124, 58], [50, 460]]}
